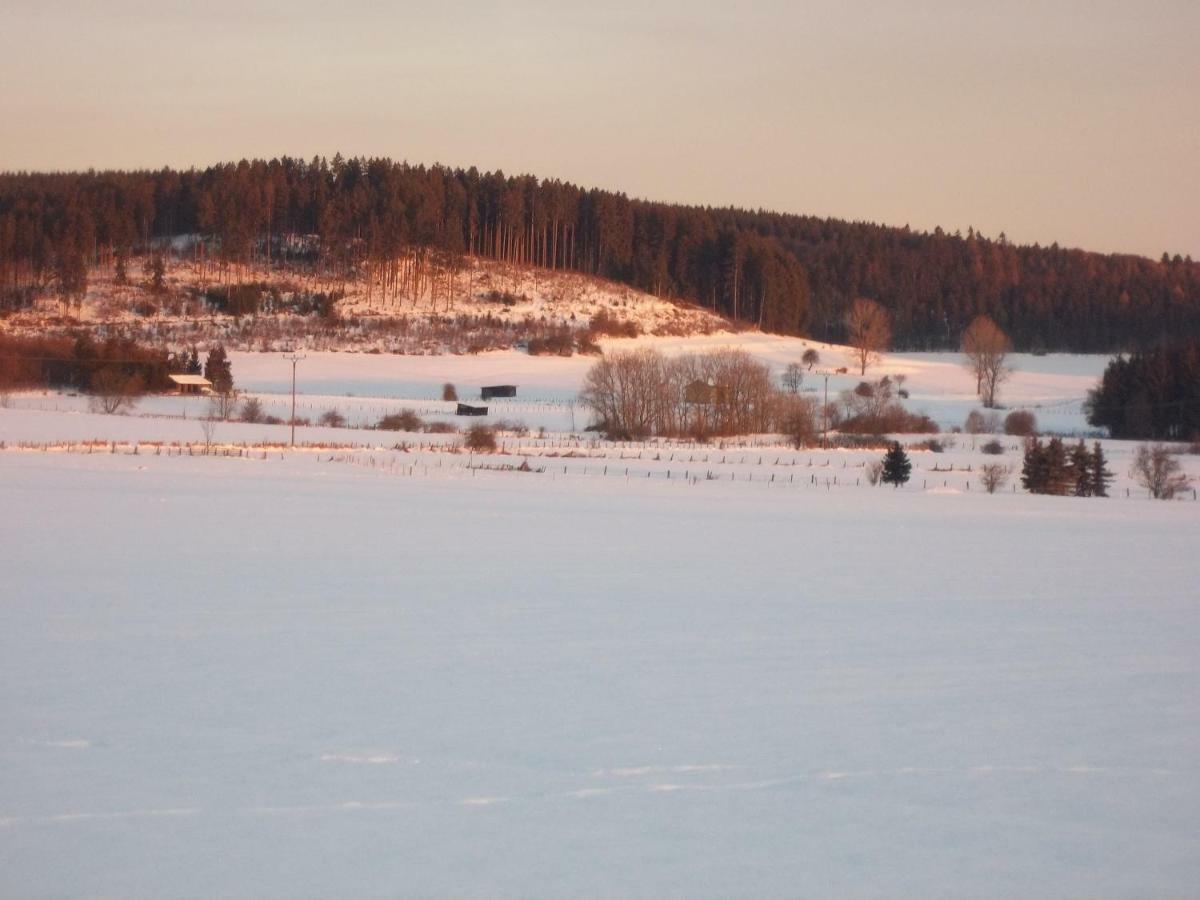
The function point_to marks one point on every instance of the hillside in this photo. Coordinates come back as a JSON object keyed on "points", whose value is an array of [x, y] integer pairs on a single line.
{"points": [[787, 274], [477, 305]]}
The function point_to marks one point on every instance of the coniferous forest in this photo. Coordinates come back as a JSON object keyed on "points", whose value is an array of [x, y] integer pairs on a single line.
{"points": [[785, 273]]}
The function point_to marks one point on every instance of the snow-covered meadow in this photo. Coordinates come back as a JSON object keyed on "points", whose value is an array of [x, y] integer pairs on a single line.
{"points": [[367, 671]]}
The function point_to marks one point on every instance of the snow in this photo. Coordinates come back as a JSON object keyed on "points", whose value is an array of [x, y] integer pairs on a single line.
{"points": [[290, 677], [638, 670]]}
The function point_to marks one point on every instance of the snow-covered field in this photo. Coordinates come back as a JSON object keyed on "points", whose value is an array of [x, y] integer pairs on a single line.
{"points": [[363, 671], [288, 677]]}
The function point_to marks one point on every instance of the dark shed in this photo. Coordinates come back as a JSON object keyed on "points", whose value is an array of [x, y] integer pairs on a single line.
{"points": [[497, 390]]}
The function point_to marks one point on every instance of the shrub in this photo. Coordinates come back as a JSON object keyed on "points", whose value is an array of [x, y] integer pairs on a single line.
{"points": [[405, 420], [1158, 471], [993, 476], [992, 448], [511, 426], [252, 411], [604, 323], [332, 419], [480, 439], [114, 390], [441, 428], [975, 423], [449, 392], [1020, 422], [557, 342]]}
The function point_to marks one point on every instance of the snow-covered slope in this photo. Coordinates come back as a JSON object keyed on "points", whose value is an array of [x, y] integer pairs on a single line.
{"points": [[442, 315]]}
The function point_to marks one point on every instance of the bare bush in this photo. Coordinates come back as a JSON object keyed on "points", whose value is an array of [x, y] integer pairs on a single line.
{"points": [[480, 439], [221, 405], [252, 411], [975, 423], [1158, 471], [796, 417], [992, 448], [113, 390], [331, 418], [871, 409], [404, 420], [993, 476], [1021, 422], [449, 392], [874, 471]]}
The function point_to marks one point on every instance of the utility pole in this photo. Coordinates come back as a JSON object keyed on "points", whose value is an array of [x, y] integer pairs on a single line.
{"points": [[294, 358], [825, 415]]}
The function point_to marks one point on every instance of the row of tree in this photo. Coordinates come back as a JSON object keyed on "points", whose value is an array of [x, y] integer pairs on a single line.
{"points": [[1151, 394], [784, 273], [1050, 468], [637, 393]]}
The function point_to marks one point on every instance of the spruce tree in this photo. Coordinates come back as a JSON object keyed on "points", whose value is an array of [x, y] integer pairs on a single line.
{"points": [[1033, 468], [218, 370], [896, 465], [1058, 475], [1080, 469], [1100, 476]]}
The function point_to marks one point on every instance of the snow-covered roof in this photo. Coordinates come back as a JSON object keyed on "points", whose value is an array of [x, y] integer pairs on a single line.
{"points": [[191, 379]]}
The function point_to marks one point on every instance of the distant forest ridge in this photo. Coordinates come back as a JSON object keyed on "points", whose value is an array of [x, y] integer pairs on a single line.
{"points": [[791, 274]]}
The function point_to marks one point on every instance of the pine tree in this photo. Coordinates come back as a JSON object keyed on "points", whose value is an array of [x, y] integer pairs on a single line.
{"points": [[1033, 468], [896, 465], [1058, 474], [1080, 468], [218, 370], [1100, 476]]}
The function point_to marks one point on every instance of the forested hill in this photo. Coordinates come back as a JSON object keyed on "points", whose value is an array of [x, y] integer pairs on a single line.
{"points": [[785, 273]]}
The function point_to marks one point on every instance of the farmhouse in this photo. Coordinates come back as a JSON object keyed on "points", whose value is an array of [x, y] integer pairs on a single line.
{"points": [[191, 384], [497, 390]]}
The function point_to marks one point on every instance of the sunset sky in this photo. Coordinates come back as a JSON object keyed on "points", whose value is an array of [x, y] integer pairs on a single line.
{"points": [[1071, 121]]}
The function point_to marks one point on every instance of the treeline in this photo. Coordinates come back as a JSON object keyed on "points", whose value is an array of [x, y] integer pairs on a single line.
{"points": [[84, 364], [784, 273], [1151, 394]]}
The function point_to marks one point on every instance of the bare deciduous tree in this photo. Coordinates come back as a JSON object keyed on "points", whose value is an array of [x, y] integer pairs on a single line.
{"points": [[208, 428], [113, 390], [993, 476], [868, 331], [1158, 471], [792, 377], [986, 347]]}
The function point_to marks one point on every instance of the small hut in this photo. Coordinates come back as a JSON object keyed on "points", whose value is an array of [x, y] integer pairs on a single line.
{"points": [[465, 409], [497, 390], [191, 384]]}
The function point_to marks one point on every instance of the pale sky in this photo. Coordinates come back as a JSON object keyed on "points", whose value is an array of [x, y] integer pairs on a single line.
{"points": [[1053, 120]]}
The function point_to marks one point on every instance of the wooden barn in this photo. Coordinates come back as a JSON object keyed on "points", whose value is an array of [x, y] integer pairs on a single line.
{"points": [[497, 390], [465, 409], [191, 384]]}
